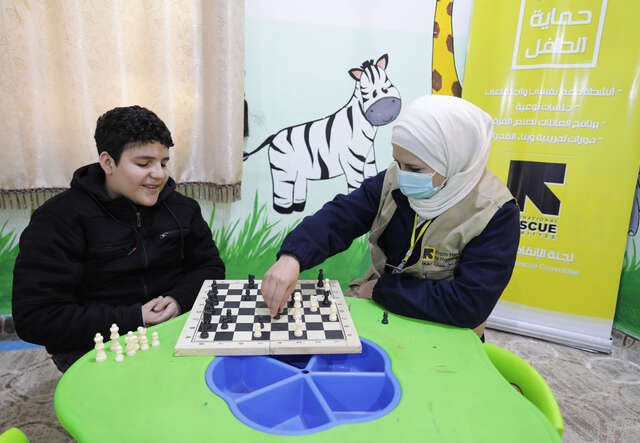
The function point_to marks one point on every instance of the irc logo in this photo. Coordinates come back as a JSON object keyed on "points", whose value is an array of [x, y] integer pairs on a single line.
{"points": [[428, 254], [530, 179]]}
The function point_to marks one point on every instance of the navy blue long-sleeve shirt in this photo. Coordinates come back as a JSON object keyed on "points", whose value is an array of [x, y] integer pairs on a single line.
{"points": [[484, 270]]}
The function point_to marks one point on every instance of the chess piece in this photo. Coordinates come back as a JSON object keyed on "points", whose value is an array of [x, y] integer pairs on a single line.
{"points": [[115, 343], [119, 355], [320, 279], [144, 344], [115, 346], [325, 300], [131, 344], [298, 328], [100, 354], [142, 332], [154, 339], [257, 330], [333, 312], [385, 318], [128, 338], [252, 281]]}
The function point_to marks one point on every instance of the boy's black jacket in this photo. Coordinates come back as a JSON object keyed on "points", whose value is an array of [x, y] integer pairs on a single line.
{"points": [[87, 261]]}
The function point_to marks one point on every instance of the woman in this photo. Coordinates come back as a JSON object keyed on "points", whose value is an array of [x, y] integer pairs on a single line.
{"points": [[443, 230]]}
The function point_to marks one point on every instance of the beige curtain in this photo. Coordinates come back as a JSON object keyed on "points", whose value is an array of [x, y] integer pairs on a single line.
{"points": [[64, 63]]}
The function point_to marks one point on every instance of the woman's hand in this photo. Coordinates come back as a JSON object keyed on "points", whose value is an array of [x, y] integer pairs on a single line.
{"points": [[279, 282]]}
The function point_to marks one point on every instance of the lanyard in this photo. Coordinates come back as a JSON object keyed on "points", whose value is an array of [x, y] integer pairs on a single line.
{"points": [[414, 240]]}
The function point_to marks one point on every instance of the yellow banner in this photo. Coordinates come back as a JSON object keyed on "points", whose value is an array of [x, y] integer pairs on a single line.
{"points": [[561, 79]]}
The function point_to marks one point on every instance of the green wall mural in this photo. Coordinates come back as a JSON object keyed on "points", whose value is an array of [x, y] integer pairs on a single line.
{"points": [[8, 254]]}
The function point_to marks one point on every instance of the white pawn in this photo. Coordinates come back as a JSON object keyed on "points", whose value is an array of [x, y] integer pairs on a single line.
{"points": [[100, 354], [144, 342], [257, 330], [115, 342], [314, 303], [333, 312], [298, 330], [297, 299], [154, 339], [119, 355]]}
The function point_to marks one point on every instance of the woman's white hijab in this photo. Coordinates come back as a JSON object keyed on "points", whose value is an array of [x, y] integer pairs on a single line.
{"points": [[451, 135]]}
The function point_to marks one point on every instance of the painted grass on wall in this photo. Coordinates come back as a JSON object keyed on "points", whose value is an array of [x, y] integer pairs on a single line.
{"points": [[8, 255], [252, 250]]}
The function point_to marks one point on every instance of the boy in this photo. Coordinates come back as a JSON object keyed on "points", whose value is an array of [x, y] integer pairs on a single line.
{"points": [[120, 246]]}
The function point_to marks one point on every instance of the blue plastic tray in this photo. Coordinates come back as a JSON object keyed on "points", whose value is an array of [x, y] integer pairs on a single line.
{"points": [[303, 394]]}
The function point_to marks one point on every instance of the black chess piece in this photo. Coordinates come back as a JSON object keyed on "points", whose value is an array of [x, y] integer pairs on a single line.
{"points": [[224, 324], [320, 279], [204, 334], [214, 285], [208, 308], [252, 281], [325, 300], [228, 317], [385, 318], [206, 318]]}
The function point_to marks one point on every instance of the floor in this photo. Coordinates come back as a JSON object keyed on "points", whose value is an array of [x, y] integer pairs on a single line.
{"points": [[599, 394]]}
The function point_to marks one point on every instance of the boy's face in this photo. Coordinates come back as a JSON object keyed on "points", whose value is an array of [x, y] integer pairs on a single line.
{"points": [[140, 174]]}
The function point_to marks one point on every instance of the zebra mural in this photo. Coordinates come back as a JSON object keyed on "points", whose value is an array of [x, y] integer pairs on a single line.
{"points": [[341, 143]]}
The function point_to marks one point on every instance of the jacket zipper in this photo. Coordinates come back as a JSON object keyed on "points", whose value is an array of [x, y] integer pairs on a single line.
{"points": [[144, 251]]}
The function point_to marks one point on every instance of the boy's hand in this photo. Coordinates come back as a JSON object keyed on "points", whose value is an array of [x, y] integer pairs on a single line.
{"points": [[159, 309], [279, 282]]}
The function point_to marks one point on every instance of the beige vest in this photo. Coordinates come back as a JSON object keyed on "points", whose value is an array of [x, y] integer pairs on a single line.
{"points": [[446, 236]]}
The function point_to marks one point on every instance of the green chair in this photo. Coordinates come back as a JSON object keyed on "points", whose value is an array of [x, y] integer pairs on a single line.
{"points": [[13, 435], [528, 381]]}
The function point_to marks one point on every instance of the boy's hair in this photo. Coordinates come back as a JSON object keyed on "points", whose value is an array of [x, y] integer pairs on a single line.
{"points": [[133, 125]]}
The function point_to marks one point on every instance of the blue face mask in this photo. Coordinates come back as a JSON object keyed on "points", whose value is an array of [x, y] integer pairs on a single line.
{"points": [[417, 184]]}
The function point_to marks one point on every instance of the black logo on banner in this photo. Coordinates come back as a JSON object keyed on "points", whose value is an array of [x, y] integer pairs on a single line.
{"points": [[529, 179]]}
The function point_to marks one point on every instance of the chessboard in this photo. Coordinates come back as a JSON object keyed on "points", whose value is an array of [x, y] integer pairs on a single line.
{"points": [[230, 317]]}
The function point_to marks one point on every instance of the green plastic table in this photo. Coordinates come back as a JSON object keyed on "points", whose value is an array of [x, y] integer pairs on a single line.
{"points": [[451, 392]]}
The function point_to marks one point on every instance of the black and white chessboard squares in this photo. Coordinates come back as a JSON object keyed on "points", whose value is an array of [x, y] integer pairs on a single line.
{"points": [[203, 333]]}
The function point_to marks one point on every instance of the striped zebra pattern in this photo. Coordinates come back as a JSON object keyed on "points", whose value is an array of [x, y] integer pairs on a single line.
{"points": [[341, 143]]}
